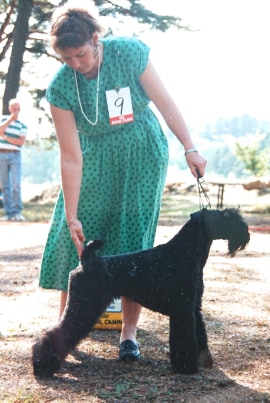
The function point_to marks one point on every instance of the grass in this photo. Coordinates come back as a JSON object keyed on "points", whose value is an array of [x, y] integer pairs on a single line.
{"points": [[176, 206], [37, 212], [173, 209]]}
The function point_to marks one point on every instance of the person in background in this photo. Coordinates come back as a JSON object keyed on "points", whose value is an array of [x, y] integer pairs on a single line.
{"points": [[113, 152], [12, 137]]}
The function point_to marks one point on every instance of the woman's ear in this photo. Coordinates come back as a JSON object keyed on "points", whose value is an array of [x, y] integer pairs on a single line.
{"points": [[95, 38]]}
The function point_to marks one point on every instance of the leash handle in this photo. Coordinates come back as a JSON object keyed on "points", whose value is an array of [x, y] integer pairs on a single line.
{"points": [[202, 193]]}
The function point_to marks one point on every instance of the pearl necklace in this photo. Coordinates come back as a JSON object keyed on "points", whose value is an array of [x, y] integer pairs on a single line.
{"points": [[97, 94]]}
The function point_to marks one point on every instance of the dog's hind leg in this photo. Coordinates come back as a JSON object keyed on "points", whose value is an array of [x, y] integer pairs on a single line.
{"points": [[86, 302], [183, 343]]}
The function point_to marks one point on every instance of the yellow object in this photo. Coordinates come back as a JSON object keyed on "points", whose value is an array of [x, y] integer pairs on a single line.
{"points": [[112, 317]]}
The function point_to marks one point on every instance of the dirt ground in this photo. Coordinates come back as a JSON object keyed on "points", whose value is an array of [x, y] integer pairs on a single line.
{"points": [[237, 313]]}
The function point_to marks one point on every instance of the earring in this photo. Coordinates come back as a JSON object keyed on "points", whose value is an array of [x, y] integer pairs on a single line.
{"points": [[96, 50]]}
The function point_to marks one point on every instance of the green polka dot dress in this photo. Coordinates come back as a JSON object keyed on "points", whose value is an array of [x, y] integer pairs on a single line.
{"points": [[124, 166]]}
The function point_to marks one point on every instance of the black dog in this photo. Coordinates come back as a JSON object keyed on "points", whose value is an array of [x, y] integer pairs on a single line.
{"points": [[167, 279]]}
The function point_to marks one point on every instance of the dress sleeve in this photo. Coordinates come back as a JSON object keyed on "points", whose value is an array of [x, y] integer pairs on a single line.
{"points": [[133, 55], [58, 90], [143, 56]]}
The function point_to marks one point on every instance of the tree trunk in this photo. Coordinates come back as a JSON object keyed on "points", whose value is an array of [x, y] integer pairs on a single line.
{"points": [[21, 31]]}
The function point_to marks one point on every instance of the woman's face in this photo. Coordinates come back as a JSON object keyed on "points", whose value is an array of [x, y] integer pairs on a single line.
{"points": [[80, 59]]}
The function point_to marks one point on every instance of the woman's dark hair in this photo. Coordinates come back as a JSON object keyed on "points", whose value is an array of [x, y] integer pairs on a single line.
{"points": [[73, 28]]}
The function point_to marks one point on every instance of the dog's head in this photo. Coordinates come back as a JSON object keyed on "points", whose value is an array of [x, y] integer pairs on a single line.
{"points": [[226, 224]]}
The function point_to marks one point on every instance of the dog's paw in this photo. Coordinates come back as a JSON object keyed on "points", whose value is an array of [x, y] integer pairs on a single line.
{"points": [[186, 367], [45, 361], [205, 359], [185, 370]]}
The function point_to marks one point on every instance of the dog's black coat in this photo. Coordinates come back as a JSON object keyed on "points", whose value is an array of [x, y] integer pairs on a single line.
{"points": [[167, 279]]}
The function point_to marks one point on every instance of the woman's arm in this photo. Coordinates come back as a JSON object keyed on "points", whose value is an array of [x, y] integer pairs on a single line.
{"points": [[157, 92], [71, 163]]}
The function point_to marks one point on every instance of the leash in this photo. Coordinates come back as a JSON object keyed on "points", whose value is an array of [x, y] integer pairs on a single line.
{"points": [[202, 193]]}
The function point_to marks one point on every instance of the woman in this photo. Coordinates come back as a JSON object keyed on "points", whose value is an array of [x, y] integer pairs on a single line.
{"points": [[113, 152]]}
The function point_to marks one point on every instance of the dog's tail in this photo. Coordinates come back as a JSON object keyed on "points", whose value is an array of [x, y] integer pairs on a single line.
{"points": [[90, 249]]}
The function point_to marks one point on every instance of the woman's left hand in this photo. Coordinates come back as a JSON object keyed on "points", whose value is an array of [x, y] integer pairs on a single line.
{"points": [[196, 163]]}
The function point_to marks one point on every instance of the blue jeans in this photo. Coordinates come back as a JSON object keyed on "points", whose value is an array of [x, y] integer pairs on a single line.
{"points": [[10, 181]]}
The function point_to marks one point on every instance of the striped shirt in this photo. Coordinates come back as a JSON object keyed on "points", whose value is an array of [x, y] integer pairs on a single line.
{"points": [[16, 129]]}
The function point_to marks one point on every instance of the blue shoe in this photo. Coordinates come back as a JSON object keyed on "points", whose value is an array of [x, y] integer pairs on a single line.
{"points": [[129, 351]]}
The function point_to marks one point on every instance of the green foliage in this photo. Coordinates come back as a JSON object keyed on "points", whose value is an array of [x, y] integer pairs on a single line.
{"points": [[233, 147], [134, 9], [42, 11], [31, 17], [41, 157], [17, 36], [222, 161], [238, 126], [256, 159]]}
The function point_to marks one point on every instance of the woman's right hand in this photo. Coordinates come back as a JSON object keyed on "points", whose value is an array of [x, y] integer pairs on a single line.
{"points": [[76, 233]]}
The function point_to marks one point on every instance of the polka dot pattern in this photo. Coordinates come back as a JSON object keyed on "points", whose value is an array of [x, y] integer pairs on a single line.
{"points": [[124, 167]]}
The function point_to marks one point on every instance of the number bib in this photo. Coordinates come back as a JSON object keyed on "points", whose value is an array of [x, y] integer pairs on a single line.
{"points": [[119, 106]]}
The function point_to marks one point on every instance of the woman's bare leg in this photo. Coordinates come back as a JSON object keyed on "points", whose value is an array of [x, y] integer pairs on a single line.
{"points": [[130, 316], [63, 301]]}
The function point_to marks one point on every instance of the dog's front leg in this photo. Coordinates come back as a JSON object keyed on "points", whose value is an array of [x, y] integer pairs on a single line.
{"points": [[183, 343], [205, 359]]}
